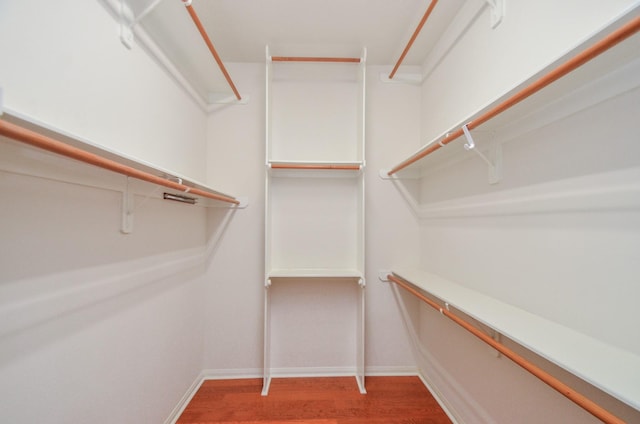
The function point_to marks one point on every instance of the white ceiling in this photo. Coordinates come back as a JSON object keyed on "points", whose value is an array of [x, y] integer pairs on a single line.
{"points": [[240, 30]]}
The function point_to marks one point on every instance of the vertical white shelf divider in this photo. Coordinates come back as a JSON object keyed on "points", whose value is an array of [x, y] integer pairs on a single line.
{"points": [[314, 192]]}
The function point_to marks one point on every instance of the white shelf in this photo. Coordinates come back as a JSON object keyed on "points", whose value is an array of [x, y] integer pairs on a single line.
{"points": [[610, 74], [52, 166], [314, 273], [611, 369]]}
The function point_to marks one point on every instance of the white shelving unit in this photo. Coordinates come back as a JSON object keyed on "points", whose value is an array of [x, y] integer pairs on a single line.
{"points": [[612, 77], [314, 229], [609, 75]]}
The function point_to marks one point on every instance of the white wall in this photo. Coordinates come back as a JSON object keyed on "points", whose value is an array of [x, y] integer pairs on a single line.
{"points": [[96, 325], [235, 297], [65, 66], [234, 294], [576, 267], [91, 317]]}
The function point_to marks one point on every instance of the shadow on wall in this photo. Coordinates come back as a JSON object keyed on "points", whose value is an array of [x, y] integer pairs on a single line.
{"points": [[65, 263]]}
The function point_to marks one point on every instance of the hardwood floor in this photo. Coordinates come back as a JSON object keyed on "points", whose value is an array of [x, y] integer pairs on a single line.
{"points": [[389, 400]]}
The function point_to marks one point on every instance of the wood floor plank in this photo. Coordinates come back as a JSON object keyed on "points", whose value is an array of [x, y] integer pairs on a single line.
{"points": [[389, 400]]}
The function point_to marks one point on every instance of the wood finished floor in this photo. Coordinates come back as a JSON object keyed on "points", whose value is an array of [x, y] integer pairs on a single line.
{"points": [[389, 400]]}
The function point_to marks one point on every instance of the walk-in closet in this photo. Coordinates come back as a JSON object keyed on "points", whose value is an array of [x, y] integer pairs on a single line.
{"points": [[302, 211]]}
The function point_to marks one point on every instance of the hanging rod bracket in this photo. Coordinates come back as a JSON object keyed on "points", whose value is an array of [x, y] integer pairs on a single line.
{"points": [[494, 165], [361, 283], [383, 275], [497, 11], [402, 78], [226, 99]]}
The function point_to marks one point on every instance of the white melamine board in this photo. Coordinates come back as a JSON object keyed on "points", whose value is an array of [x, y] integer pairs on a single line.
{"points": [[613, 370], [314, 119], [313, 223]]}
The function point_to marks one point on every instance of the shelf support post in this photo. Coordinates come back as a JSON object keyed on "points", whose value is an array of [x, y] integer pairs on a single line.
{"points": [[495, 166]]}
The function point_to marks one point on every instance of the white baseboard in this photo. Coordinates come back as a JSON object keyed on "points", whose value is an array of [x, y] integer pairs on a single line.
{"points": [[231, 373], [184, 401], [441, 401], [454, 399], [381, 371]]}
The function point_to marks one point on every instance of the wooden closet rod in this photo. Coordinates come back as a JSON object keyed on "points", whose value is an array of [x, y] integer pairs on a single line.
{"points": [[212, 49], [33, 138], [413, 37], [314, 166], [588, 405], [580, 59], [316, 59]]}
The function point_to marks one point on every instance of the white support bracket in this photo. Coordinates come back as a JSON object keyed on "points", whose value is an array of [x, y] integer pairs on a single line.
{"points": [[495, 165], [127, 210], [128, 21], [497, 11], [361, 283], [267, 283], [129, 206], [498, 338]]}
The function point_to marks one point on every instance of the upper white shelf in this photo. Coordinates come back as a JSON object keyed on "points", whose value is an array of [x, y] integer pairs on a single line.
{"points": [[608, 74], [117, 162], [611, 369]]}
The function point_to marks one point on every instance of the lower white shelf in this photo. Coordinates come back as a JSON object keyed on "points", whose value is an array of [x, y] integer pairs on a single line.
{"points": [[611, 369], [315, 273]]}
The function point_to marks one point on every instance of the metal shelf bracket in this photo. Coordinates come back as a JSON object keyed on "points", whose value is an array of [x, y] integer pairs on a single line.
{"points": [[495, 165]]}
